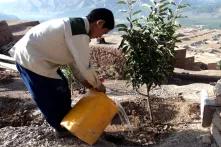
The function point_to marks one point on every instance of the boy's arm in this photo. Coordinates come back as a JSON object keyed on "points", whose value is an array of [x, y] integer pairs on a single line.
{"points": [[79, 48], [83, 81]]}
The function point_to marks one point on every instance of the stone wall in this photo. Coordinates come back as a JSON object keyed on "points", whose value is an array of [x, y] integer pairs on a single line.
{"points": [[108, 60], [5, 34], [22, 25], [216, 127], [20, 28], [11, 32], [216, 119]]}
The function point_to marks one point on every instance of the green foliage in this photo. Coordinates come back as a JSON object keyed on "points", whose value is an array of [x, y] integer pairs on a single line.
{"points": [[66, 70], [149, 41]]}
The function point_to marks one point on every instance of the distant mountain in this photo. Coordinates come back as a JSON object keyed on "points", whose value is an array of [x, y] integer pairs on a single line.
{"points": [[199, 2], [201, 12], [7, 17], [206, 13], [55, 8]]}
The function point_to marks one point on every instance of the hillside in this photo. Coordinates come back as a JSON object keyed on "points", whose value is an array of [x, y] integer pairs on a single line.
{"points": [[7, 17]]}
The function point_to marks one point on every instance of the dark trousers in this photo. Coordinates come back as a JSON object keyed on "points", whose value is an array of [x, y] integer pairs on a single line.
{"points": [[52, 96]]}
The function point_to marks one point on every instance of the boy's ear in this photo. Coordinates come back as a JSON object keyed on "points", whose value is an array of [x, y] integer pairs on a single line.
{"points": [[100, 23]]}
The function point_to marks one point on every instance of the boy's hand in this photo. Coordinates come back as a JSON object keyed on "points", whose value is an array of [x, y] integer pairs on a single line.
{"points": [[101, 88]]}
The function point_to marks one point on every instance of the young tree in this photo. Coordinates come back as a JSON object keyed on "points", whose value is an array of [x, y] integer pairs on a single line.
{"points": [[149, 41]]}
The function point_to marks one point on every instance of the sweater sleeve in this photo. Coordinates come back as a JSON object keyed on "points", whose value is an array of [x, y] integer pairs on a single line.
{"points": [[79, 48]]}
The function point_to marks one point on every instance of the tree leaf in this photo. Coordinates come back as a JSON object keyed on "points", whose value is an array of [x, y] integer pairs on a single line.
{"points": [[121, 2], [146, 6], [121, 26], [137, 12], [148, 44]]}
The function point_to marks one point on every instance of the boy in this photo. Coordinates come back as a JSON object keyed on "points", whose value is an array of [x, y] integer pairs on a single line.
{"points": [[46, 47]]}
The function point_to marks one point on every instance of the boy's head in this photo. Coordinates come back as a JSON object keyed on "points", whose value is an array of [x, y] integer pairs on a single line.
{"points": [[101, 22]]}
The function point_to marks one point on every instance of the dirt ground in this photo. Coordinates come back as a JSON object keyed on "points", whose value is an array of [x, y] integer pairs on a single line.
{"points": [[175, 108], [176, 117]]}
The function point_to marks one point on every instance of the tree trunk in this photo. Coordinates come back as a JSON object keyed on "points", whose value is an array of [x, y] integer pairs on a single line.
{"points": [[148, 101], [148, 105]]}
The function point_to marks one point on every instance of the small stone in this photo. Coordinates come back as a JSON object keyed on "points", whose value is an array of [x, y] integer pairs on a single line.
{"points": [[151, 142], [36, 113], [144, 140], [141, 135], [15, 136], [39, 137], [165, 127]]}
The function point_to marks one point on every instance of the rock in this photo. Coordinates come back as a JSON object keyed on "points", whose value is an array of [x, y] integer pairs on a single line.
{"points": [[141, 135], [216, 37], [187, 47], [165, 127], [197, 43], [199, 66], [36, 112], [180, 34], [211, 42]]}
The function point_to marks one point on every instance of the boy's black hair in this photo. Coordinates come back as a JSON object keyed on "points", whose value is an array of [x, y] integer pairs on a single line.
{"points": [[104, 14]]}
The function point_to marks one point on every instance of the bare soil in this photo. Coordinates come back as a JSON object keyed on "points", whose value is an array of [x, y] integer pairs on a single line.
{"points": [[176, 120]]}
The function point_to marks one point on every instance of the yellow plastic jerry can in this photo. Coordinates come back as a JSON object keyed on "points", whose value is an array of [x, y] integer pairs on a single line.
{"points": [[90, 116]]}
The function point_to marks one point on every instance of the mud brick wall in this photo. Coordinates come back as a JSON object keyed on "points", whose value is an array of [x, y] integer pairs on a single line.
{"points": [[180, 58], [212, 66], [23, 25], [5, 33], [20, 29], [189, 62], [108, 60]]}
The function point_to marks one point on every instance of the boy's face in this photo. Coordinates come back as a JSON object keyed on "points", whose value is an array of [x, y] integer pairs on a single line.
{"points": [[97, 30]]}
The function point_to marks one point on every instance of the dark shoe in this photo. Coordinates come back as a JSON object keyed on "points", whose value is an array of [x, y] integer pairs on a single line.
{"points": [[115, 138], [63, 134]]}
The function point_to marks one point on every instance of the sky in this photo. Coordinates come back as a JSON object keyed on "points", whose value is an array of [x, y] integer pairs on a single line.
{"points": [[45, 9], [200, 12], [6, 1]]}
